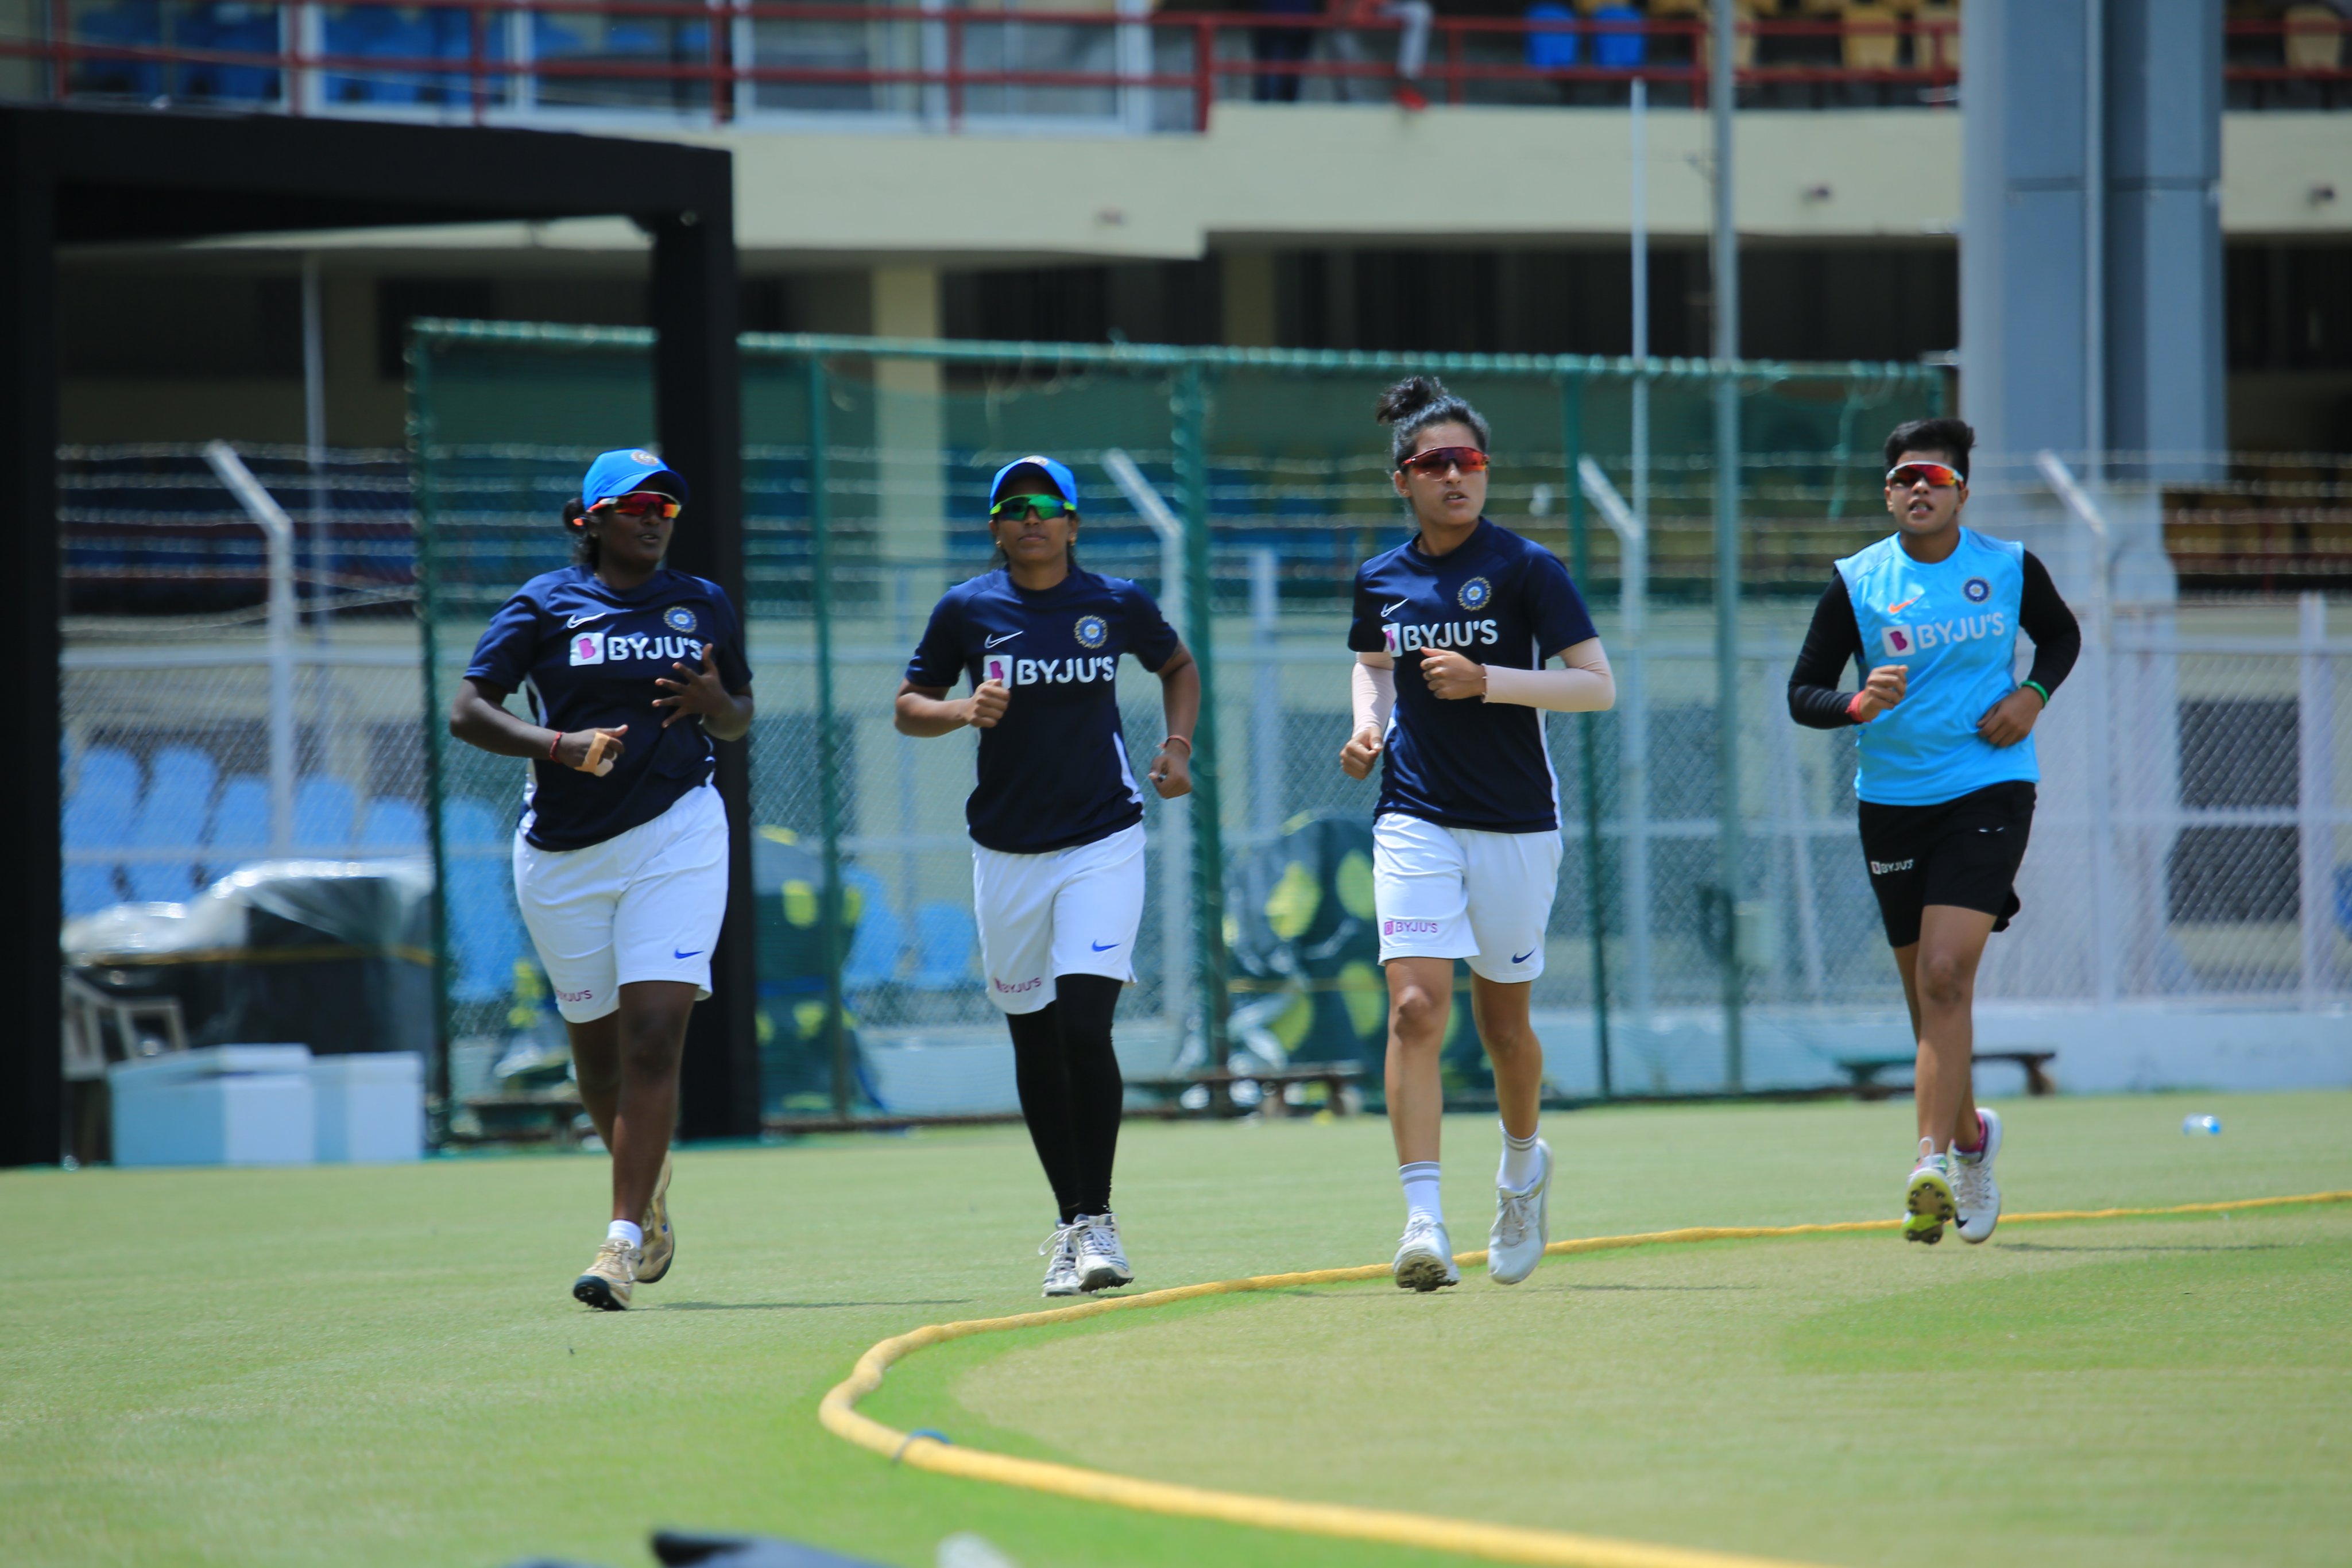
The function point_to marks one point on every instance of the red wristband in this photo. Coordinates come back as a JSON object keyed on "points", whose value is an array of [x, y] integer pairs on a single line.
{"points": [[1854, 708], [555, 745]]}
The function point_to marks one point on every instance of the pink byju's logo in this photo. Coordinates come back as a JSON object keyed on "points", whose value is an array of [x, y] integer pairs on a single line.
{"points": [[587, 996], [997, 667], [588, 648], [1014, 988], [1899, 641], [1408, 927]]}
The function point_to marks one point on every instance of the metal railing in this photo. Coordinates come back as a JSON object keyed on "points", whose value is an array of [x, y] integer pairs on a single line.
{"points": [[940, 67]]}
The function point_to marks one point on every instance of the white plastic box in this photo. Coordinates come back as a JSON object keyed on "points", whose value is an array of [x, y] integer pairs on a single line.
{"points": [[224, 1105], [370, 1107]]}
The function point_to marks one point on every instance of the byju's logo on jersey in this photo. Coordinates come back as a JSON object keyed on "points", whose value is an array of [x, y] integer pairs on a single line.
{"points": [[1976, 590], [1475, 594], [1049, 672], [1899, 641], [587, 648], [1902, 642], [678, 618], [1403, 640], [1090, 631]]}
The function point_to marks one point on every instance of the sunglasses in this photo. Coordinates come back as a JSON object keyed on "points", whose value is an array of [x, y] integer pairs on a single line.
{"points": [[639, 504], [1014, 507], [1434, 462], [1938, 476]]}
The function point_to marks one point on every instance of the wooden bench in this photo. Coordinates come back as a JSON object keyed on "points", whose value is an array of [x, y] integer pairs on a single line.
{"points": [[1861, 1071], [1272, 1082]]}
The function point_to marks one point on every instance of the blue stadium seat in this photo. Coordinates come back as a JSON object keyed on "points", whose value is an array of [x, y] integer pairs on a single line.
{"points": [[393, 827], [947, 947], [1551, 51], [98, 819], [127, 24], [378, 32], [105, 770], [323, 809], [174, 817], [240, 823], [881, 937], [1622, 50], [485, 932], [232, 27]]}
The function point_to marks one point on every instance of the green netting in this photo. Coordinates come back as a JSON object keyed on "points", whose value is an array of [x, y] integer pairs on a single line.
{"points": [[1254, 937]]}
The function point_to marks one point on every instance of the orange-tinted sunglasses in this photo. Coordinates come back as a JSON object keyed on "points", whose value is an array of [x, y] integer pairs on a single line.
{"points": [[1438, 459], [639, 504], [1939, 475]]}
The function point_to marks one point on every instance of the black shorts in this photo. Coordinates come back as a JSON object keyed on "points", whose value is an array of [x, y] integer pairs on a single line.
{"points": [[1964, 853]]}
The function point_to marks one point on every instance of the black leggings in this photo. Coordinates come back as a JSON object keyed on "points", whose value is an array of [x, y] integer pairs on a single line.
{"points": [[1071, 1090]]}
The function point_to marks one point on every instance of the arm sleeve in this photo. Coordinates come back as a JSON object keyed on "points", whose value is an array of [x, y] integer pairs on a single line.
{"points": [[2043, 615], [1364, 635], [1833, 640], [1585, 687], [937, 662], [1372, 688], [510, 645], [733, 659], [1150, 639], [1555, 609]]}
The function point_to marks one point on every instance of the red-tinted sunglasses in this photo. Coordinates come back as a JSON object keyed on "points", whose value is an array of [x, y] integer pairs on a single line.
{"points": [[1438, 459], [1939, 477], [639, 504]]}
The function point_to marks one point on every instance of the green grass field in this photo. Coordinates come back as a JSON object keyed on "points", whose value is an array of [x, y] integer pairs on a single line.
{"points": [[384, 1366]]}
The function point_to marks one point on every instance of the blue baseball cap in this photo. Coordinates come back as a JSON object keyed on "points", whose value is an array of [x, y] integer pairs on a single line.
{"points": [[1059, 473], [629, 468]]}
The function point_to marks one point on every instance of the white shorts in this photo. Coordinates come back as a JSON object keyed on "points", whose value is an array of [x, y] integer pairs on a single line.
{"points": [[1069, 912], [641, 905], [1457, 893]]}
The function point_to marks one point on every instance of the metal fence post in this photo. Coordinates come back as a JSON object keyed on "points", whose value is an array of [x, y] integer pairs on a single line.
{"points": [[828, 757], [1190, 421], [1580, 544], [2316, 795], [1731, 837], [436, 739]]}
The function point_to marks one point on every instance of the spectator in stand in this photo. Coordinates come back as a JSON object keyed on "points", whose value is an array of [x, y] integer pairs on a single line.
{"points": [[1281, 46], [1413, 43]]}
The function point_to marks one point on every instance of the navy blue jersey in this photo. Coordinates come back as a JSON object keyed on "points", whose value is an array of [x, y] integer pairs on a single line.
{"points": [[1498, 599], [1054, 771], [589, 656]]}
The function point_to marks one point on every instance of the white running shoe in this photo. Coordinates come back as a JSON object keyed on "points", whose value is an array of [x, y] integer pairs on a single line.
{"points": [[1928, 1204], [1522, 1226], [1061, 1250], [661, 1242], [606, 1283], [1975, 1192], [1102, 1266], [1424, 1259]]}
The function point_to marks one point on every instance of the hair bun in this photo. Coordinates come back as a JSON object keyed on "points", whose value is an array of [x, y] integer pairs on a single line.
{"points": [[574, 511], [1407, 398]]}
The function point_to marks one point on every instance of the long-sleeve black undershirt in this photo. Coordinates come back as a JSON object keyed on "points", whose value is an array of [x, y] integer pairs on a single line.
{"points": [[1835, 638]]}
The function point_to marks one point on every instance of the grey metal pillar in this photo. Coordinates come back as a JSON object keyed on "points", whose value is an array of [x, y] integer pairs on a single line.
{"points": [[1730, 835]]}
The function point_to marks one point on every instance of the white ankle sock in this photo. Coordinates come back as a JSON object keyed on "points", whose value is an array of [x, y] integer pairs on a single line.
{"points": [[1520, 1166], [622, 1231], [1421, 1190]]}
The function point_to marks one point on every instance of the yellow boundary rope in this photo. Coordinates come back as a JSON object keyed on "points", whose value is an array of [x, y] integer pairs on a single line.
{"points": [[1501, 1543]]}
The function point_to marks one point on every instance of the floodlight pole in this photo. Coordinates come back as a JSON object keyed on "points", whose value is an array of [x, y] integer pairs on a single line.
{"points": [[279, 529], [1727, 537]]}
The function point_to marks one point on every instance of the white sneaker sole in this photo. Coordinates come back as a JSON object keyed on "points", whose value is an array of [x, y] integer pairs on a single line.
{"points": [[1105, 1277], [1424, 1272]]}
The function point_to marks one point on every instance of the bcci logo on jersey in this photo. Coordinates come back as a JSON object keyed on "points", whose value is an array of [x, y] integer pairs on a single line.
{"points": [[1475, 594], [1090, 631], [1902, 642], [678, 618]]}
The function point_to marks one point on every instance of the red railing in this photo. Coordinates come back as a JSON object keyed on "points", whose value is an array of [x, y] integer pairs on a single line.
{"points": [[711, 60]]}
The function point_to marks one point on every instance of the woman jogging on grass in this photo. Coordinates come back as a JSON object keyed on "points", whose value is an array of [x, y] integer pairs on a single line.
{"points": [[1452, 631], [1947, 774], [1057, 825], [620, 861]]}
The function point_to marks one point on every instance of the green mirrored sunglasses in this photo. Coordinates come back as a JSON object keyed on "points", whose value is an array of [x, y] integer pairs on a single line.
{"points": [[1044, 505]]}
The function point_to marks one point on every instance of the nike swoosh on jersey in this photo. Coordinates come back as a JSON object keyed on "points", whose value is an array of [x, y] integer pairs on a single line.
{"points": [[1523, 957], [583, 620], [1899, 608], [1104, 946], [1391, 610], [992, 642], [676, 954]]}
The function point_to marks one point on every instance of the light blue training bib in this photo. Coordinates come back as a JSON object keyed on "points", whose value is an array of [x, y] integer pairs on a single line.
{"points": [[1954, 625]]}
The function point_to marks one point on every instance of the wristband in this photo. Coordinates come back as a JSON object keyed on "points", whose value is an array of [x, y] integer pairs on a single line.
{"points": [[555, 745], [2039, 690], [1184, 741], [1854, 708]]}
